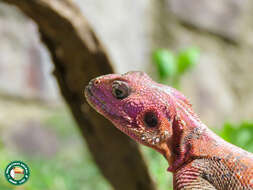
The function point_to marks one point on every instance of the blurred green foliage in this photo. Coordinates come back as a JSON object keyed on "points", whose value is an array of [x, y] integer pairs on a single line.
{"points": [[240, 135], [165, 62], [172, 66], [158, 168]]}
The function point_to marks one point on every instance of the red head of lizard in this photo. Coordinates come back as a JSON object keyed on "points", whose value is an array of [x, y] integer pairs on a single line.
{"points": [[139, 107]]}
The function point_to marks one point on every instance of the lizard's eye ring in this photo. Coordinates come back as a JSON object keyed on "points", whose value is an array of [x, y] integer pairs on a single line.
{"points": [[150, 119], [120, 89]]}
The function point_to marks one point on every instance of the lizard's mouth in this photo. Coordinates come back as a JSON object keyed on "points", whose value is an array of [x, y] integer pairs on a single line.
{"points": [[97, 103]]}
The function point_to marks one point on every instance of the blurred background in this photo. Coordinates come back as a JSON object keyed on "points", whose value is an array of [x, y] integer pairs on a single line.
{"points": [[203, 48]]}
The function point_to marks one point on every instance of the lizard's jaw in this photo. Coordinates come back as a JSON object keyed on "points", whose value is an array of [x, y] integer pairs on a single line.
{"points": [[97, 103], [107, 111]]}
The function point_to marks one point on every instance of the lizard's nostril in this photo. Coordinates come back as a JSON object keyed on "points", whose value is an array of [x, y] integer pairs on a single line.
{"points": [[94, 82]]}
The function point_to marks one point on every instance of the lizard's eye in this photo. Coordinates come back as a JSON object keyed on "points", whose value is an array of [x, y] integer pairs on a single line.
{"points": [[150, 119], [120, 89]]}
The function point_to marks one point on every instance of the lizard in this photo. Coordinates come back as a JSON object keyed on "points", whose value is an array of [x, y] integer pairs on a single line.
{"points": [[162, 118]]}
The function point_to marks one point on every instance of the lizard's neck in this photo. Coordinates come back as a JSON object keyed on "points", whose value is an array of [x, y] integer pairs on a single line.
{"points": [[191, 139]]}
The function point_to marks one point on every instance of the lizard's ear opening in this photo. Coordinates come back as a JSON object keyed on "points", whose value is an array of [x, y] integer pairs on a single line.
{"points": [[150, 119]]}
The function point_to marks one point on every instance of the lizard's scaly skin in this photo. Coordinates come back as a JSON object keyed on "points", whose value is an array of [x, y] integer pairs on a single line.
{"points": [[162, 118]]}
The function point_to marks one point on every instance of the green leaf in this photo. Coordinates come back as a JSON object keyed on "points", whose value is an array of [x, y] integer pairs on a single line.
{"points": [[241, 135], [165, 62], [187, 59]]}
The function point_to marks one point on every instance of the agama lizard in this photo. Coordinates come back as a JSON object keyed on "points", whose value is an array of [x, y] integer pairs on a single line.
{"points": [[162, 118]]}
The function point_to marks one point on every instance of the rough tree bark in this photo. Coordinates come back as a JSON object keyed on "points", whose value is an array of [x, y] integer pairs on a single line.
{"points": [[78, 56]]}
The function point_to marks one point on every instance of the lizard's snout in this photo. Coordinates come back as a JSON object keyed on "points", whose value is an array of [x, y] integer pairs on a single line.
{"points": [[92, 83]]}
